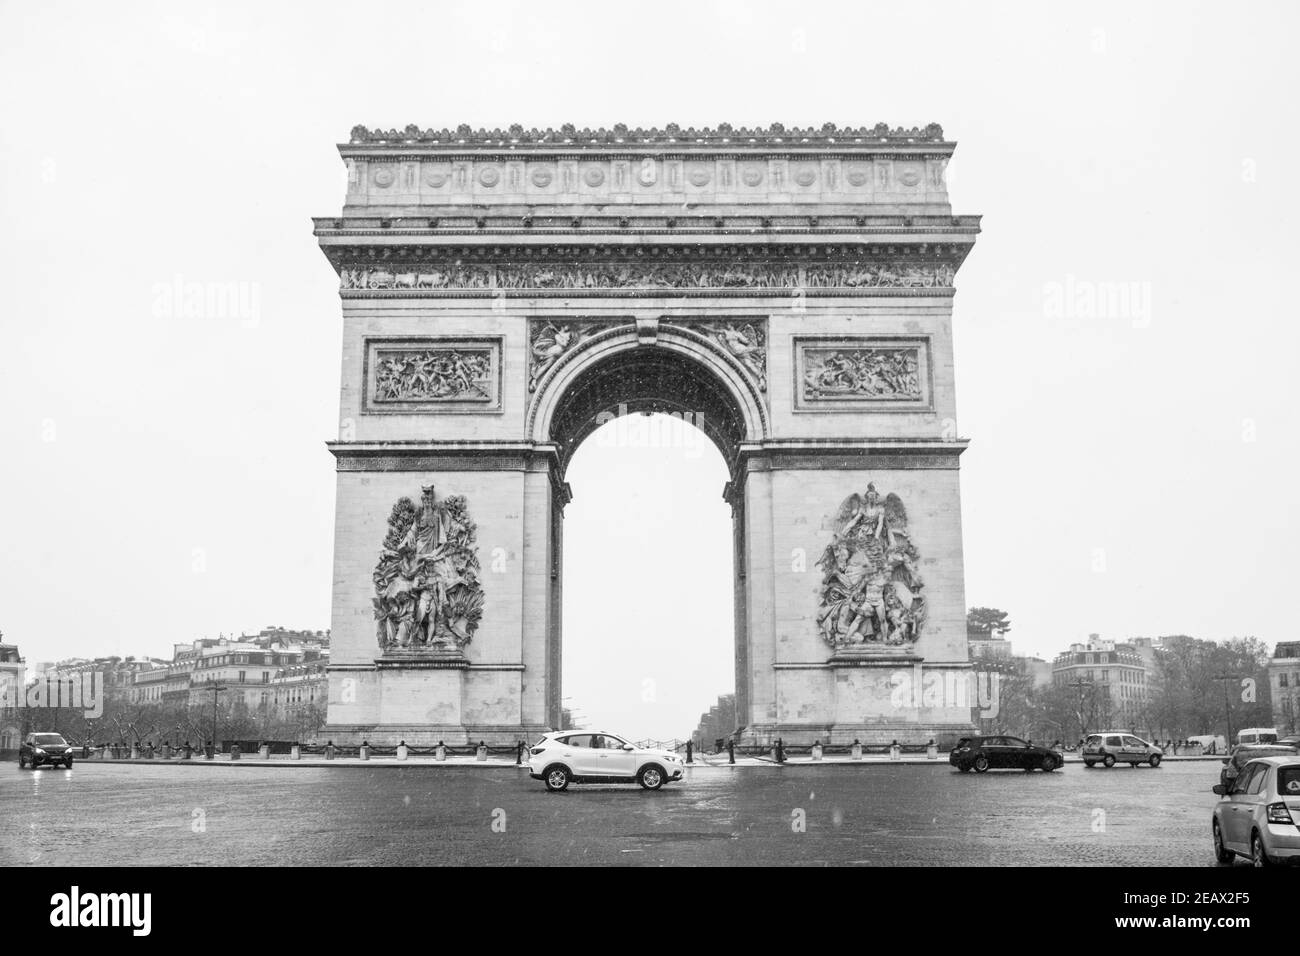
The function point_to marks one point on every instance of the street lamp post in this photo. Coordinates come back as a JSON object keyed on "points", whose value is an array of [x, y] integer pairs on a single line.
{"points": [[1081, 684], [216, 688]]}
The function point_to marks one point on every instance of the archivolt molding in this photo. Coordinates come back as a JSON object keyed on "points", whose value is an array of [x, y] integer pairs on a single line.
{"points": [[625, 336]]}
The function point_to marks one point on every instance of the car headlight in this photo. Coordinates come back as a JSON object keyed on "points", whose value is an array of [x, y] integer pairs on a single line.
{"points": [[39, 752]]}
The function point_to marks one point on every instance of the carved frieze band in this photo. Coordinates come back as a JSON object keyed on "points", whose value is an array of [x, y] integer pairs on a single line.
{"points": [[680, 277], [424, 374]]}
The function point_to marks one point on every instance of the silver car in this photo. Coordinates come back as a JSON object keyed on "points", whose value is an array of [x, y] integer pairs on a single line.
{"points": [[1117, 746], [1257, 816]]}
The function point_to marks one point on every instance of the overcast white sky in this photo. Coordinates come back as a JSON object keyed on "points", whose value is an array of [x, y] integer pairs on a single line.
{"points": [[165, 477]]}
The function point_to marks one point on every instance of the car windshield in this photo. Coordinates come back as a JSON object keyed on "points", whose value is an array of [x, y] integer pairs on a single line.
{"points": [[45, 740], [1288, 781]]}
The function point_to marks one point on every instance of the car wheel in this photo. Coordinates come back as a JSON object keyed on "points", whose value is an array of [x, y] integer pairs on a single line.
{"points": [[1049, 763], [1257, 855], [981, 763], [1154, 761], [557, 779], [1221, 852], [1108, 761], [22, 761], [651, 777]]}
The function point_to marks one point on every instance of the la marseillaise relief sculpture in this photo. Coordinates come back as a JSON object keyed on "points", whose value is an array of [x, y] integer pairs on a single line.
{"points": [[504, 292]]}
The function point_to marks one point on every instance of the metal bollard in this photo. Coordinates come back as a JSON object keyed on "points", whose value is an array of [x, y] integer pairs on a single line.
{"points": [[731, 751], [817, 750], [857, 749], [365, 750], [329, 750], [295, 752], [401, 750], [265, 751], [482, 751], [690, 751], [234, 751], [894, 751], [932, 750], [519, 754], [441, 752]]}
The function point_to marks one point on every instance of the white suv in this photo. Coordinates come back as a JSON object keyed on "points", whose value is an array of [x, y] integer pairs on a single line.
{"points": [[571, 756]]}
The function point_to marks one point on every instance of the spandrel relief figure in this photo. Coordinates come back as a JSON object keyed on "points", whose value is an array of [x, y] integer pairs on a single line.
{"points": [[550, 340], [747, 343], [549, 343], [427, 593], [870, 591]]}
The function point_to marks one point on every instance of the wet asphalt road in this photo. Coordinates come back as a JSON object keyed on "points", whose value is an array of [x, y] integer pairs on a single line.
{"points": [[115, 814]]}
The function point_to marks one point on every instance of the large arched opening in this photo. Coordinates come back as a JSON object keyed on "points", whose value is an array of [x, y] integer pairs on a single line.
{"points": [[626, 412]]}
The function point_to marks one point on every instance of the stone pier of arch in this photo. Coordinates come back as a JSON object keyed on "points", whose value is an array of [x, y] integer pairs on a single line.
{"points": [[504, 294]]}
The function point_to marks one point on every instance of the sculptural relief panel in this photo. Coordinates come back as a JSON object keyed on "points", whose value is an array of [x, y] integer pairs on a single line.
{"points": [[412, 375], [428, 599], [872, 594], [860, 373]]}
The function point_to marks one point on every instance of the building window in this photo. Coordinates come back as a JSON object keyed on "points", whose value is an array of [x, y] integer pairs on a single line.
{"points": [[1282, 680], [266, 677], [243, 676]]}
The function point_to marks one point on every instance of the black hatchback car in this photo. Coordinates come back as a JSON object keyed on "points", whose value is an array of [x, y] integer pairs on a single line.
{"points": [[1002, 753], [37, 749]]}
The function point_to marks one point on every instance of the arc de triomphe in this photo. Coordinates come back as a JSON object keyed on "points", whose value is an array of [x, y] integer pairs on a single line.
{"points": [[505, 292]]}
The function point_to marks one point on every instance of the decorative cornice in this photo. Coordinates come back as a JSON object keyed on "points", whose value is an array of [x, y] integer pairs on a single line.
{"points": [[747, 226], [914, 249], [724, 135]]}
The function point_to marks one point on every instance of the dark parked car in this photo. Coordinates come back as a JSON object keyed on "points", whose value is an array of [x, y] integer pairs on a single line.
{"points": [[1002, 753], [1242, 754], [51, 749]]}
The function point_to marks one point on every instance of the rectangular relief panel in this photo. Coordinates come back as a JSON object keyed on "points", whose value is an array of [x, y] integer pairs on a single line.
{"points": [[413, 375], [866, 373]]}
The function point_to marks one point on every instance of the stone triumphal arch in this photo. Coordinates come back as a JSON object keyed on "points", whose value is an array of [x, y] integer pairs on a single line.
{"points": [[504, 292]]}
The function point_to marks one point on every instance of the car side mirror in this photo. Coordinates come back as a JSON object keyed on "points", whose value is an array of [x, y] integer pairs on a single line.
{"points": [[628, 747], [1220, 789]]}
